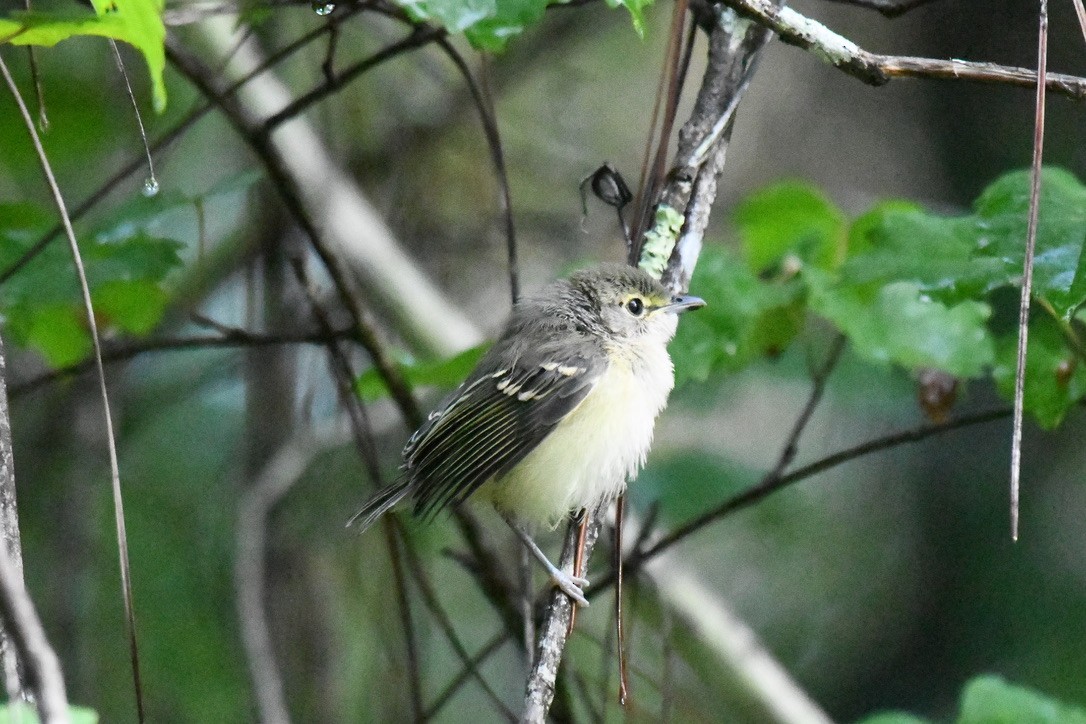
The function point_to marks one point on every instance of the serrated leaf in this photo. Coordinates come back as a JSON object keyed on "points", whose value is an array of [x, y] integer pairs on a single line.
{"points": [[898, 323], [133, 306], [991, 700], [1055, 378], [744, 317], [136, 22], [791, 219], [446, 373]]}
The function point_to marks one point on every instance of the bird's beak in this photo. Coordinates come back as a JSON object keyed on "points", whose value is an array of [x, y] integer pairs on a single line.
{"points": [[682, 304]]}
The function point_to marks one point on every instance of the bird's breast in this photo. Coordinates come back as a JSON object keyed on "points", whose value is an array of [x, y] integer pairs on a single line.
{"points": [[588, 457]]}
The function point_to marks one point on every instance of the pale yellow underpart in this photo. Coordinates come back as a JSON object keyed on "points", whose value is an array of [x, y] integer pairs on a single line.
{"points": [[588, 458]]}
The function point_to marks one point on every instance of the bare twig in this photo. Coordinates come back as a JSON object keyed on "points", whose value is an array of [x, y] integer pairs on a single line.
{"points": [[150, 186], [466, 673], [257, 502], [288, 189], [22, 624], [438, 612], [362, 255], [1080, 13], [165, 140], [1027, 263], [362, 433], [121, 351], [92, 325], [770, 484], [485, 104], [875, 69], [419, 36]]}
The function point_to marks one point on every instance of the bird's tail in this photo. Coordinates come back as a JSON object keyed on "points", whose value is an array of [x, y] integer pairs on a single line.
{"points": [[379, 504]]}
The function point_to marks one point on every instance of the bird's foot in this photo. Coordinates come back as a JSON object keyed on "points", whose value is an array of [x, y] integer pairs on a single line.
{"points": [[571, 585]]}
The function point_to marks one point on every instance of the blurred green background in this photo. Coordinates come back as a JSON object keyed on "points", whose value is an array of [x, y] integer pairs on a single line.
{"points": [[886, 583]]}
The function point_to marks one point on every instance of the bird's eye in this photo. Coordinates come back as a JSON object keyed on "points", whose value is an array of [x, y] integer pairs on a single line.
{"points": [[635, 306]]}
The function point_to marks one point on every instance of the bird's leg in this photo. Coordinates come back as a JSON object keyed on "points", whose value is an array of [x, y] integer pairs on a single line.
{"points": [[578, 564], [571, 585]]}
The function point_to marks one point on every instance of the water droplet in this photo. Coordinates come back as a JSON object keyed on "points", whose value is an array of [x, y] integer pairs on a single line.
{"points": [[150, 187], [323, 9]]}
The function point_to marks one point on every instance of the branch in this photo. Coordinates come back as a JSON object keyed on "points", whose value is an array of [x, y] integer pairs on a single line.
{"points": [[552, 636], [121, 351], [362, 255], [771, 483], [11, 545], [734, 45], [876, 69], [21, 622], [257, 502]]}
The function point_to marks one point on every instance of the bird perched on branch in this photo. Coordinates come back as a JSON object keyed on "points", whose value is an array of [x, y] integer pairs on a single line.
{"points": [[557, 415]]}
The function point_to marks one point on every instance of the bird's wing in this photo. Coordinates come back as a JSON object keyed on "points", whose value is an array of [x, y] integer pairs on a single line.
{"points": [[499, 415]]}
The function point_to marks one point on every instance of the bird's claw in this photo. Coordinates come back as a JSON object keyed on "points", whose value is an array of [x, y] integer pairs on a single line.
{"points": [[571, 586]]}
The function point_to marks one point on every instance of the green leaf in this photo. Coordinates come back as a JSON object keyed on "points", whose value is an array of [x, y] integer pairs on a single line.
{"points": [[636, 9], [991, 700], [133, 306], [792, 219], [1059, 269], [1055, 378], [744, 317], [490, 24], [43, 302], [898, 323], [937, 254], [136, 22], [962, 257], [447, 373], [20, 713], [57, 331]]}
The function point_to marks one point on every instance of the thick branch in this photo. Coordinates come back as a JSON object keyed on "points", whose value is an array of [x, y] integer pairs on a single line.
{"points": [[875, 69]]}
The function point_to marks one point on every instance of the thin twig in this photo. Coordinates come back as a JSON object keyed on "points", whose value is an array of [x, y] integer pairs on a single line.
{"points": [[484, 102], [120, 351], [256, 503], [465, 674], [1027, 263], [419, 36], [197, 72], [150, 186], [362, 433], [111, 443], [165, 140], [22, 623], [875, 69], [770, 484], [1080, 13], [443, 622]]}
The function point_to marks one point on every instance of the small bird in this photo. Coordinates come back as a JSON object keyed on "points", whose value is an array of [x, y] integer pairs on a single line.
{"points": [[557, 415]]}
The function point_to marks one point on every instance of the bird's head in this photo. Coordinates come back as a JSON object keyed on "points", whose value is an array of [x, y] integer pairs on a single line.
{"points": [[630, 305]]}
